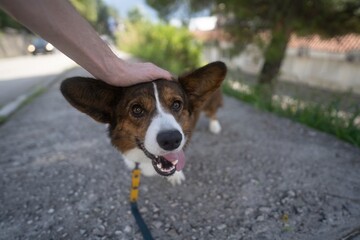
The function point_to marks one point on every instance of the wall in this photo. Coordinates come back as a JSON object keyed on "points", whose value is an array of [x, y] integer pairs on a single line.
{"points": [[332, 72], [320, 69]]}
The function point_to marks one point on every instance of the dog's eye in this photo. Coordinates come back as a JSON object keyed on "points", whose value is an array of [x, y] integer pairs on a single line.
{"points": [[176, 106], [137, 110]]}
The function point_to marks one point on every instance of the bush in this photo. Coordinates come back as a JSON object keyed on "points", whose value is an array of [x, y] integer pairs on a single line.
{"points": [[169, 47]]}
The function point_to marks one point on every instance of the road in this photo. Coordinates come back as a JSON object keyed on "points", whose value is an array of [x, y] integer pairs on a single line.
{"points": [[19, 75], [262, 178]]}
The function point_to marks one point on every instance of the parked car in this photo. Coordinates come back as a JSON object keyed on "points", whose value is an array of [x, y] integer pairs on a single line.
{"points": [[39, 45]]}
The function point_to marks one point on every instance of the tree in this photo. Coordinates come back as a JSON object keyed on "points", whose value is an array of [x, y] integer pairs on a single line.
{"points": [[135, 15], [96, 12], [87, 9], [245, 19]]}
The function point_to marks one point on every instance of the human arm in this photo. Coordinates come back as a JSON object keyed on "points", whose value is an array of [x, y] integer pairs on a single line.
{"points": [[59, 23]]}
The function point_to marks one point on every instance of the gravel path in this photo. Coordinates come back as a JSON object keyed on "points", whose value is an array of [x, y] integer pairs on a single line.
{"points": [[263, 178]]}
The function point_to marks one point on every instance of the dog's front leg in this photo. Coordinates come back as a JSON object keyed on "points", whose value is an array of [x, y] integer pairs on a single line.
{"points": [[177, 178]]}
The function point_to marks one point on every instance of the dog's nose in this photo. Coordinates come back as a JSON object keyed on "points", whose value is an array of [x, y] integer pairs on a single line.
{"points": [[169, 140]]}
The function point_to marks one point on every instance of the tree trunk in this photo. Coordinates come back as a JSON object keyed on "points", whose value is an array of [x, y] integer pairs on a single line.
{"points": [[274, 55]]}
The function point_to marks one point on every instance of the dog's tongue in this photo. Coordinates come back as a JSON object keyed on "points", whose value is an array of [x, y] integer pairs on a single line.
{"points": [[180, 156]]}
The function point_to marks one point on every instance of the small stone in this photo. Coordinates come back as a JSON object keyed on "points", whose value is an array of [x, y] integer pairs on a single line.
{"points": [[143, 210], [285, 200], [173, 205], [173, 233], [51, 211], [291, 193], [221, 227], [99, 230], [260, 218], [127, 229], [264, 209], [158, 224], [118, 232], [155, 209], [82, 231], [249, 211]]}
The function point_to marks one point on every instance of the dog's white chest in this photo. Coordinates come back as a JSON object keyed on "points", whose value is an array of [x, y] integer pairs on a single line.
{"points": [[137, 156]]}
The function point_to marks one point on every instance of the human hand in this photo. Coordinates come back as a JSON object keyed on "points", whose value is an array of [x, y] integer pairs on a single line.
{"points": [[131, 73]]}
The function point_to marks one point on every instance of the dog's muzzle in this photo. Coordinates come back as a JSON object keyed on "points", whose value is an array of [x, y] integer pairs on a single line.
{"points": [[165, 165]]}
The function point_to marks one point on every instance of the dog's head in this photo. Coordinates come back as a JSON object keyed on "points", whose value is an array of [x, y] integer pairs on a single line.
{"points": [[156, 118]]}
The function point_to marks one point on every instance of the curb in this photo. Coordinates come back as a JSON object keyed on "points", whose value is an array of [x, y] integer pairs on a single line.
{"points": [[10, 108]]}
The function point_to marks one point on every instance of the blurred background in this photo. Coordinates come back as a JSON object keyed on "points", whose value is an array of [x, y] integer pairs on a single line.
{"points": [[298, 59]]}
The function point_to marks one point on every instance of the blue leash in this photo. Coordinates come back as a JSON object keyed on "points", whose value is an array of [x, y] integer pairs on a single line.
{"points": [[134, 193]]}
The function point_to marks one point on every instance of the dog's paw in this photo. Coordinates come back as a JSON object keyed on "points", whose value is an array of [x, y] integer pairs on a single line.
{"points": [[177, 178], [214, 126]]}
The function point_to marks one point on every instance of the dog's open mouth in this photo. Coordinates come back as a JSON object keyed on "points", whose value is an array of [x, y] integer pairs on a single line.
{"points": [[165, 165]]}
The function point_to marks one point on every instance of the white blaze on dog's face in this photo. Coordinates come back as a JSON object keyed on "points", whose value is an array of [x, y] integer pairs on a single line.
{"points": [[149, 122], [164, 133], [164, 121]]}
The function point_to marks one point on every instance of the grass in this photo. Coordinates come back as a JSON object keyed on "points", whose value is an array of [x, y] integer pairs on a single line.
{"points": [[37, 92], [2, 119], [327, 118]]}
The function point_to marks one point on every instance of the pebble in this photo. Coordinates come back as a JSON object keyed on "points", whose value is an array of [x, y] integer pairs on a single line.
{"points": [[127, 229], [172, 232], [249, 211], [265, 209], [291, 193], [260, 218], [143, 210], [99, 230], [157, 224], [221, 227], [156, 209], [51, 211]]}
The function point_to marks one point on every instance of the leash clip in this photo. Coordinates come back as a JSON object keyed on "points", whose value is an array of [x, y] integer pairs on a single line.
{"points": [[135, 183]]}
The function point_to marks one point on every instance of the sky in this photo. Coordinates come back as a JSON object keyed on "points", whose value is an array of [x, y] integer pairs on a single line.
{"points": [[123, 6]]}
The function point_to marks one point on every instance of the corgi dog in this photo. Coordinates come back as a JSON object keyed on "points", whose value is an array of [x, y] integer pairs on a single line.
{"points": [[151, 123]]}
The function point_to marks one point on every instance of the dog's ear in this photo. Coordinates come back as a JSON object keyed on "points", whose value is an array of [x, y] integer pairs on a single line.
{"points": [[201, 83], [90, 96]]}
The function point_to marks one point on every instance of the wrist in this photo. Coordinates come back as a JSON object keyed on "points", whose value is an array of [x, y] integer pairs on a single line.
{"points": [[112, 70]]}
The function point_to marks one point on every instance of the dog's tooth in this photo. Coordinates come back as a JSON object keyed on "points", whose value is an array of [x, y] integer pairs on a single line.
{"points": [[175, 162]]}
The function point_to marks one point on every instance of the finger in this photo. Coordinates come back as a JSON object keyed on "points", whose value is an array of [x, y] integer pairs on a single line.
{"points": [[167, 75]]}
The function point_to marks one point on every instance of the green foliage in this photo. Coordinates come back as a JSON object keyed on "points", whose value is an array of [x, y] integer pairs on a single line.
{"points": [[135, 15], [329, 119], [169, 47], [87, 9], [96, 12], [8, 22]]}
